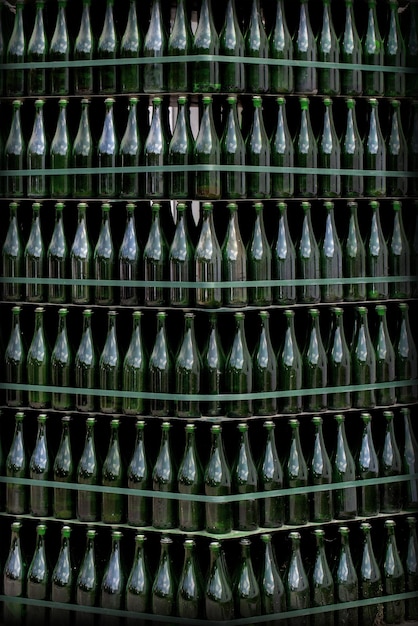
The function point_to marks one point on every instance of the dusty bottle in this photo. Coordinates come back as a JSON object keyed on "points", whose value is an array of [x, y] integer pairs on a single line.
{"points": [[164, 510], [329, 154], [351, 52], [208, 261], [282, 154], [107, 48], [305, 49], [164, 587], [390, 464], [258, 153], [367, 467], [63, 471], [346, 582], [181, 152], [62, 579], [62, 365], [85, 366], [232, 43], [180, 43], [339, 363], [155, 259], [180, 257], [34, 257], [308, 260], [60, 154], [296, 475], [190, 591], [296, 580], [16, 53], [17, 466], [409, 462], [57, 258], [385, 359], [284, 260], [104, 260], [110, 368], [134, 369], [130, 154], [37, 150], [352, 154], [138, 478], [131, 47], [256, 45], [37, 53], [289, 361], [161, 368], [129, 257], [369, 577], [213, 368], [38, 578], [393, 576], [39, 469], [259, 257], [320, 473], [306, 153], [354, 257], [234, 260], [322, 581], [84, 47], [374, 154], [399, 254], [107, 154], [363, 363], [217, 482], [343, 470], [264, 369], [270, 477], [411, 567], [245, 480], [138, 584], [397, 153], [233, 152], [329, 52], [113, 504], [315, 366], [406, 358], [38, 363], [207, 151], [205, 76], [246, 589], [87, 473], [59, 50], [14, 154], [187, 371], [190, 480], [281, 47], [82, 154], [273, 597], [219, 599], [15, 361], [239, 371]]}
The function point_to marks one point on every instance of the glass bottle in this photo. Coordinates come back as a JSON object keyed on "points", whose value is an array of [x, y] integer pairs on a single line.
{"points": [[113, 582], [270, 476], [413, 147], [205, 76], [397, 153], [85, 365], [343, 470], [110, 368], [233, 152], [320, 473], [377, 260], [60, 154], [411, 44], [213, 368], [394, 54], [351, 52], [107, 154], [363, 363], [37, 53], [373, 54], [296, 581], [37, 363], [16, 53], [306, 153], [208, 261], [164, 475], [34, 255], [62, 579], [62, 365], [181, 255], [155, 153], [390, 464], [57, 256], [234, 260], [39, 467], [180, 152], [284, 260], [83, 51], [37, 150], [232, 43], [296, 475], [411, 567], [413, 244], [104, 260], [352, 154], [246, 588], [155, 259], [410, 462], [406, 358], [207, 151], [164, 586], [113, 504], [305, 49], [289, 360], [107, 48], [131, 48], [258, 153], [264, 369], [155, 46], [219, 600], [393, 577], [217, 481], [130, 153], [322, 581], [180, 43], [385, 359], [87, 585], [14, 153], [190, 480], [38, 579], [399, 254], [259, 257], [59, 50], [63, 471], [138, 478], [346, 582], [245, 480], [134, 369], [257, 46], [339, 363], [367, 467], [369, 578], [15, 361], [87, 502], [187, 371], [190, 591], [14, 578], [161, 369], [329, 154], [329, 52], [314, 363], [17, 467], [354, 258], [239, 371], [308, 257], [138, 585], [82, 154], [374, 154], [273, 597], [282, 154], [129, 256], [281, 47]]}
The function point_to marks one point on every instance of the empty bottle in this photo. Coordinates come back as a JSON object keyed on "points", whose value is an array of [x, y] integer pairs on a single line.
{"points": [[15, 361], [373, 54], [308, 260], [205, 76], [57, 258], [208, 261], [354, 258], [190, 480], [130, 154], [409, 462], [104, 260], [87, 585], [155, 153], [37, 185], [219, 600], [367, 467], [305, 49], [346, 581], [60, 154], [14, 578], [284, 260], [393, 577], [180, 153], [164, 475], [385, 359], [39, 469], [399, 254], [411, 44], [84, 48], [306, 153], [413, 147], [15, 153], [329, 154], [273, 596], [322, 581], [296, 475], [17, 467], [37, 53], [394, 53], [63, 471], [87, 473], [281, 47], [85, 366], [112, 588], [282, 154], [62, 579], [329, 52], [59, 50], [331, 258], [155, 46], [246, 588], [406, 358], [16, 53], [259, 260], [374, 154], [315, 366], [377, 259], [296, 581], [390, 464], [339, 363], [245, 480], [270, 476], [131, 47], [351, 52], [233, 152], [180, 43], [411, 567], [164, 587], [38, 579], [190, 590], [256, 45], [264, 369], [187, 371], [38, 363], [343, 470], [369, 578], [129, 257], [363, 363], [258, 153], [213, 369], [138, 478], [82, 154], [217, 481], [320, 473], [161, 369], [155, 260], [352, 154], [289, 361], [207, 151], [110, 368], [34, 257], [107, 154], [181, 256], [107, 48], [234, 260], [397, 153], [134, 369], [62, 365], [113, 504], [239, 371], [232, 43], [138, 584]]}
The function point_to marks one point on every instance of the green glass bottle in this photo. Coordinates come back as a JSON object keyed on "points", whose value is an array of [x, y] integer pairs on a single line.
{"points": [[245, 480], [258, 153], [374, 153], [343, 470], [39, 469], [208, 261], [234, 260], [281, 47], [14, 578], [322, 581], [59, 50], [164, 475], [296, 580], [413, 244], [205, 74], [352, 154], [107, 154], [84, 47], [38, 579], [367, 467], [305, 49], [282, 154], [107, 48], [190, 480], [411, 568], [57, 257], [346, 580], [138, 584], [219, 599], [164, 586], [409, 462], [232, 43], [394, 54], [112, 586], [104, 260], [134, 369], [257, 46], [130, 48], [328, 52], [308, 259], [264, 369], [14, 154], [413, 147], [284, 260], [130, 154], [373, 53], [16, 53], [161, 367], [385, 359], [110, 368], [363, 362], [37, 150], [181, 255], [60, 154], [187, 371], [351, 52], [180, 43], [129, 256], [62, 365], [411, 44], [393, 577], [233, 152], [399, 254], [306, 153], [270, 476], [289, 360], [207, 151], [273, 596], [156, 153], [390, 464], [406, 358], [369, 578], [155, 259], [113, 504], [320, 473], [87, 502], [85, 366], [213, 369], [259, 257], [63, 471], [190, 591], [239, 371], [155, 46], [38, 363], [397, 153], [329, 154], [296, 475], [354, 257], [87, 585], [377, 259], [180, 152], [138, 478], [37, 53], [339, 363], [17, 466], [246, 589], [314, 365], [82, 154], [62, 579], [15, 361], [34, 256], [217, 482]]}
